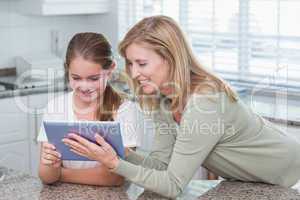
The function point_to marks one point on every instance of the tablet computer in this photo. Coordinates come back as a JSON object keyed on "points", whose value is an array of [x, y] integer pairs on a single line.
{"points": [[109, 130]]}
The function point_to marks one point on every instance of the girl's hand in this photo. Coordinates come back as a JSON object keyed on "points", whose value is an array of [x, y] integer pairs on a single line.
{"points": [[49, 155], [102, 153]]}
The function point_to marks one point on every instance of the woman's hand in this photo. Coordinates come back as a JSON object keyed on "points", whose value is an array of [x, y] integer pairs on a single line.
{"points": [[102, 153], [49, 155], [127, 151]]}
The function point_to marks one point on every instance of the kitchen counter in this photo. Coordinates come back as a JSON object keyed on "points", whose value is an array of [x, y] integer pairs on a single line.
{"points": [[15, 87], [36, 86], [17, 185], [29, 91]]}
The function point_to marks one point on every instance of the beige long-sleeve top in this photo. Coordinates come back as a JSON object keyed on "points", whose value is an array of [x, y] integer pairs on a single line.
{"points": [[224, 136]]}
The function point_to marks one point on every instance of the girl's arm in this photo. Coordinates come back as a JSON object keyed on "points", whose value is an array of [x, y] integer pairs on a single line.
{"points": [[50, 171], [92, 176], [50, 164], [49, 174]]}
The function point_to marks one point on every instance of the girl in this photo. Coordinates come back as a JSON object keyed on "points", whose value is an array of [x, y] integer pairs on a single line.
{"points": [[88, 66], [201, 121]]}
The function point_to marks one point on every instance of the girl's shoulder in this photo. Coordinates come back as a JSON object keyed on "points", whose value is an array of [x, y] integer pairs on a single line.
{"points": [[56, 98], [59, 101]]}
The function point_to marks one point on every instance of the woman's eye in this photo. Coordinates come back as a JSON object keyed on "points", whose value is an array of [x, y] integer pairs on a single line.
{"points": [[94, 79], [143, 64]]}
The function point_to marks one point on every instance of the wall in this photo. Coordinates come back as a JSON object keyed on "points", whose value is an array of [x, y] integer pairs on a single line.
{"points": [[26, 35]]}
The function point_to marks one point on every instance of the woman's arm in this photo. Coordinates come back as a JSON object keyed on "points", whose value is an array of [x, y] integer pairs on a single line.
{"points": [[134, 124], [195, 139], [155, 160], [92, 176]]}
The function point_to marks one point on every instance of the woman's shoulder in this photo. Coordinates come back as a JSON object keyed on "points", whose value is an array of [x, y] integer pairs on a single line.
{"points": [[207, 98], [218, 103]]}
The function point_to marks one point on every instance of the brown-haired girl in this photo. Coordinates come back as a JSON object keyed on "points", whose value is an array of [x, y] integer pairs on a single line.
{"points": [[88, 66]]}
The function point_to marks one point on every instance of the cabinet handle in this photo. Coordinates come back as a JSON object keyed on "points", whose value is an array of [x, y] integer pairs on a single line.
{"points": [[35, 126]]}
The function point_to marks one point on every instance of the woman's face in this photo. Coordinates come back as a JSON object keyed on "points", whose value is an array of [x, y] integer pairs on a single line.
{"points": [[147, 67], [87, 79]]}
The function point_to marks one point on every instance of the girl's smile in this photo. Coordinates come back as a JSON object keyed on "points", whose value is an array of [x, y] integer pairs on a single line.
{"points": [[87, 79]]}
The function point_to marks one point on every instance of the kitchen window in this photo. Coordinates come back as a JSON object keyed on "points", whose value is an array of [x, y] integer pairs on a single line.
{"points": [[244, 39]]}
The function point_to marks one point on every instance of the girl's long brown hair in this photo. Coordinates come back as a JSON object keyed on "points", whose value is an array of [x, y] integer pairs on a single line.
{"points": [[95, 48]]}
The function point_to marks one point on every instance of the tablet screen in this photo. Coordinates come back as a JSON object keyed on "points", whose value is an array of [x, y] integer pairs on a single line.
{"points": [[109, 130]]}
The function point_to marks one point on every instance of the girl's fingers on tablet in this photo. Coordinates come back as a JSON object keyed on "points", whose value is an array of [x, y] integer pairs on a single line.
{"points": [[54, 153], [49, 157], [50, 162], [47, 145]]}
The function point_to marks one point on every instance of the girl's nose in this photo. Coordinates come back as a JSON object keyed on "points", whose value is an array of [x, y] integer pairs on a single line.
{"points": [[84, 85]]}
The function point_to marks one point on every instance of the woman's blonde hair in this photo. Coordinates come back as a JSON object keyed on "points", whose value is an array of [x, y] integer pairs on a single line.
{"points": [[95, 48], [163, 35]]}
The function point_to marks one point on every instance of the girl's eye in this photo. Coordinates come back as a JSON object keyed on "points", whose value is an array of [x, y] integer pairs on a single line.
{"points": [[75, 78]]}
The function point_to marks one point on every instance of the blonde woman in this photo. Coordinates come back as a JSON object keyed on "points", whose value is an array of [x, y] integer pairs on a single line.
{"points": [[200, 120]]}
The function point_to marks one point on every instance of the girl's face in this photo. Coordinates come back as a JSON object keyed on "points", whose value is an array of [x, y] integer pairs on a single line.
{"points": [[87, 79], [148, 68]]}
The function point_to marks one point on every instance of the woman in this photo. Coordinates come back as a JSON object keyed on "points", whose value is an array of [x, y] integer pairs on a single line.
{"points": [[200, 120], [89, 64]]}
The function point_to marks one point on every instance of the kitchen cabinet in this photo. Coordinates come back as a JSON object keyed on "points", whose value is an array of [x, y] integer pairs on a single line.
{"points": [[36, 104], [63, 7], [14, 146], [15, 155], [20, 120]]}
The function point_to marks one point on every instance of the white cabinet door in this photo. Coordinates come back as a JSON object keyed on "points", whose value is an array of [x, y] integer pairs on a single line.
{"points": [[13, 119], [15, 156], [13, 127], [36, 104], [14, 148], [13, 133], [63, 7]]}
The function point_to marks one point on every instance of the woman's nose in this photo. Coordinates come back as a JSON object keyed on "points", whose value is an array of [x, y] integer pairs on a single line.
{"points": [[134, 72]]}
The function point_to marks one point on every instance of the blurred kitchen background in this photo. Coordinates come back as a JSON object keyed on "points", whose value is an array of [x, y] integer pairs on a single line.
{"points": [[253, 44]]}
